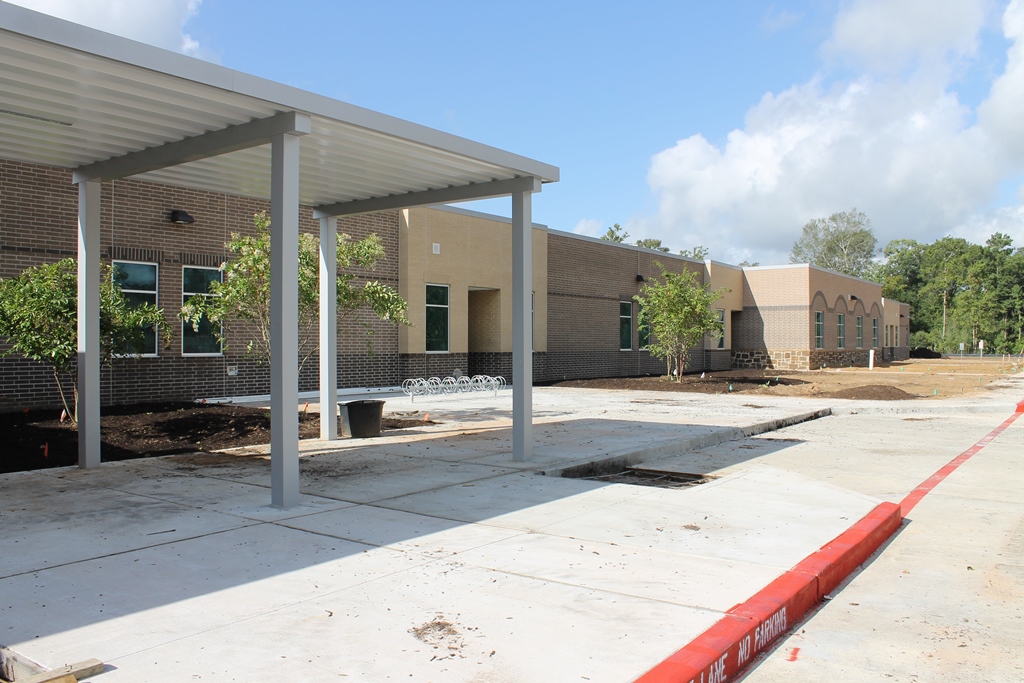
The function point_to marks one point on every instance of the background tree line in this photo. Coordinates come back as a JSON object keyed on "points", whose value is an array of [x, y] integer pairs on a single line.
{"points": [[958, 292]]}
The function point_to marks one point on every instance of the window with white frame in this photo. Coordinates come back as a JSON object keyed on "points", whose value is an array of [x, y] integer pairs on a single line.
{"points": [[841, 331], [625, 326], [860, 331], [887, 334], [874, 332], [437, 319], [819, 329], [138, 283], [721, 328], [204, 341], [643, 331]]}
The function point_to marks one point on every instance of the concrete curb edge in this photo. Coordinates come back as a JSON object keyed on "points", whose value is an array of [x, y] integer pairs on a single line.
{"points": [[664, 450], [748, 628]]}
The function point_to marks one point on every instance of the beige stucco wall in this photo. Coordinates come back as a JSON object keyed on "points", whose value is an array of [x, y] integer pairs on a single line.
{"points": [[775, 305], [730, 278], [780, 303], [776, 286], [897, 320], [475, 255], [834, 294]]}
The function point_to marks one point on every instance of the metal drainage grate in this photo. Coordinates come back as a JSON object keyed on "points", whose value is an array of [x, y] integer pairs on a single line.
{"points": [[639, 476]]}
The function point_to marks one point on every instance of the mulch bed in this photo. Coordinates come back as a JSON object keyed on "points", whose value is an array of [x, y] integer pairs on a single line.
{"points": [[741, 381], [873, 392], [37, 439], [726, 381]]}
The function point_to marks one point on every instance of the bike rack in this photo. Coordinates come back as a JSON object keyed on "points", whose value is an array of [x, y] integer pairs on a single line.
{"points": [[435, 386]]}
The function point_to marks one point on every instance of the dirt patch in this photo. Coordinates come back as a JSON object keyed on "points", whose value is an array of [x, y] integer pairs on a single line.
{"points": [[38, 439], [872, 392], [897, 381], [446, 641], [734, 381]]}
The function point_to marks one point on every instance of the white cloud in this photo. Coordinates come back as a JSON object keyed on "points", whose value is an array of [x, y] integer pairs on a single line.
{"points": [[1003, 112], [589, 226], [904, 149], [886, 34], [1008, 220], [156, 22], [777, 20]]}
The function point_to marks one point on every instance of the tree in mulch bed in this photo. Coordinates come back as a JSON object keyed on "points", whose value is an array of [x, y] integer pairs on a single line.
{"points": [[39, 319]]}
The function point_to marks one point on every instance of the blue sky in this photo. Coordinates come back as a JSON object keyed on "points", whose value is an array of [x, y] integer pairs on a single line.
{"points": [[723, 124]]}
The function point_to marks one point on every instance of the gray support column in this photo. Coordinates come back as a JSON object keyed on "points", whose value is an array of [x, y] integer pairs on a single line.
{"points": [[328, 327], [522, 347], [284, 321], [89, 324]]}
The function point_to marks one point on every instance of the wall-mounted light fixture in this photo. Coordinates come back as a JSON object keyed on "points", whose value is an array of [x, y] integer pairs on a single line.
{"points": [[853, 297], [640, 278], [180, 216]]}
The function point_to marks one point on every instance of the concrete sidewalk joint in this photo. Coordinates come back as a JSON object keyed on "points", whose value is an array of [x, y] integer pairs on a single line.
{"points": [[729, 645], [748, 628], [663, 450]]}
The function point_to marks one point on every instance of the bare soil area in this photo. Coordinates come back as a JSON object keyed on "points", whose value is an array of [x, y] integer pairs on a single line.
{"points": [[897, 381], [37, 439]]}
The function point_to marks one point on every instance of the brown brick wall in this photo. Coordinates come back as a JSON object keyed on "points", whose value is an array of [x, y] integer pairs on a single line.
{"points": [[38, 224], [586, 282], [427, 365]]}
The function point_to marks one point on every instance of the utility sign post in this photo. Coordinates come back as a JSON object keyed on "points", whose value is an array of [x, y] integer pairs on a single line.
{"points": [[961, 350], [981, 348]]}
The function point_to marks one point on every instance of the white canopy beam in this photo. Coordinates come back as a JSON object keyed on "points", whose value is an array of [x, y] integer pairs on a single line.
{"points": [[214, 143], [445, 195]]}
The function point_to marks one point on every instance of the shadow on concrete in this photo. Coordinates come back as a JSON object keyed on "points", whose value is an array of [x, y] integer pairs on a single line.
{"points": [[87, 546]]}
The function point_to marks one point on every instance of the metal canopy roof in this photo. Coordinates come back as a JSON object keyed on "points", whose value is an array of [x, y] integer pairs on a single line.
{"points": [[72, 95]]}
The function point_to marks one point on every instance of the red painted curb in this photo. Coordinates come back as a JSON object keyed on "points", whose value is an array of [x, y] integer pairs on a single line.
{"points": [[837, 559], [914, 497], [731, 643]]}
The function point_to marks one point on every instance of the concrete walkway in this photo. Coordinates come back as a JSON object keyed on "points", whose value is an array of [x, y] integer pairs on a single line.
{"points": [[943, 601], [429, 556]]}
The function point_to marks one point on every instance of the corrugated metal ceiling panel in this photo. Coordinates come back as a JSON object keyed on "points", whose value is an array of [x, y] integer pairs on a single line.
{"points": [[65, 107]]}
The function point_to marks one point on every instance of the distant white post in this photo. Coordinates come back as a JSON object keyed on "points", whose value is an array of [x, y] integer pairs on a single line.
{"points": [[284, 321], [871, 359], [328, 327], [89, 324]]}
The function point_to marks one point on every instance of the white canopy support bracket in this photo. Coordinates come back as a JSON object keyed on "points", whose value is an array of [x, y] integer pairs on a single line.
{"points": [[444, 195], [214, 143]]}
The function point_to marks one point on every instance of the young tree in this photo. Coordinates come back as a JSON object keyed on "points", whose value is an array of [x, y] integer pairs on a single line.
{"points": [[244, 293], [616, 233], [843, 242], [678, 312], [651, 243], [39, 318]]}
